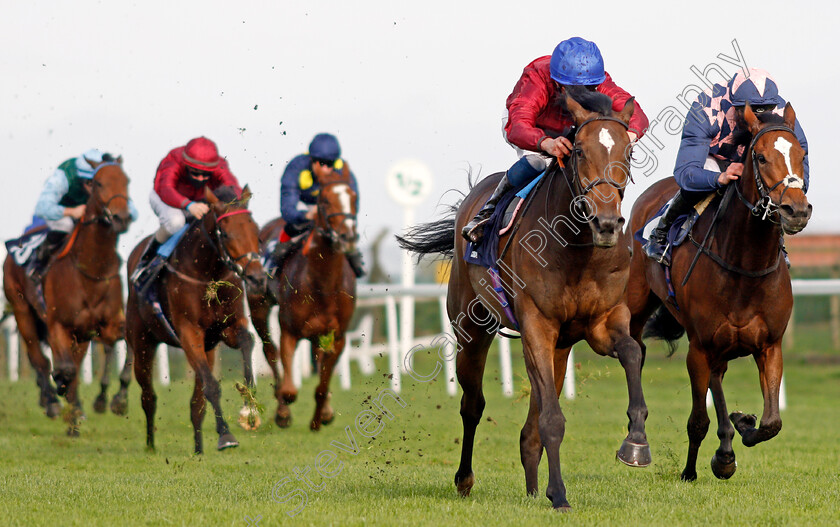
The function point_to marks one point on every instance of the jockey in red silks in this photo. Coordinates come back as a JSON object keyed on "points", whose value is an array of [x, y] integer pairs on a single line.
{"points": [[714, 139], [535, 124], [178, 194]]}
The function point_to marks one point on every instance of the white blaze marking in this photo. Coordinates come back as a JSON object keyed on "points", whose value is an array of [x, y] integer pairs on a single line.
{"points": [[783, 146], [606, 139], [343, 192]]}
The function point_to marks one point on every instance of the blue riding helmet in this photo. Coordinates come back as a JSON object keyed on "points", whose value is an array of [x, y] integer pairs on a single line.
{"points": [[577, 62], [756, 87], [325, 146], [84, 170]]}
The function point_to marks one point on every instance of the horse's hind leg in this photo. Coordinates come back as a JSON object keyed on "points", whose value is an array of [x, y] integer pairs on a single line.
{"points": [[530, 445], [144, 356], [119, 404], [197, 411], [27, 327], [260, 311], [698, 420], [723, 462], [769, 364], [324, 413], [100, 404]]}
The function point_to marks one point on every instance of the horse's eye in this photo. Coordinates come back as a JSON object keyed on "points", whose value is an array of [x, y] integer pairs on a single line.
{"points": [[761, 159], [579, 151]]}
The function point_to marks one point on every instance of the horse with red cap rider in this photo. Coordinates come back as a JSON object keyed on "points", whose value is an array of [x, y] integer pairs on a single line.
{"points": [[299, 189], [178, 194], [713, 142], [536, 125]]}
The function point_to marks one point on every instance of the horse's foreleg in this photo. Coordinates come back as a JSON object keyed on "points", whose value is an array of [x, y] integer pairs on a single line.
{"points": [[769, 363], [698, 420], [259, 316], [197, 411], [100, 404], [119, 404], [324, 413], [144, 358], [723, 462], [192, 340], [48, 398], [288, 343], [237, 336]]}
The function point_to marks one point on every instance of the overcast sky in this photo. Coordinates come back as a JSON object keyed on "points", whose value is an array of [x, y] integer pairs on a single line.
{"points": [[392, 80]]}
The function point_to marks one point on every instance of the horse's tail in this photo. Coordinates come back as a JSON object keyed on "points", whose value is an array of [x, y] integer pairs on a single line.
{"points": [[663, 326], [437, 237]]}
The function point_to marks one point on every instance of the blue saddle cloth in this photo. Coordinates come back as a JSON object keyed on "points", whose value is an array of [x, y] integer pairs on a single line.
{"points": [[678, 232], [486, 253], [24, 247]]}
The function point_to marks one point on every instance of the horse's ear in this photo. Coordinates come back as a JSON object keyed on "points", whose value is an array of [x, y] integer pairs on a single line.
{"points": [[753, 124], [211, 198], [790, 117], [245, 197], [577, 111], [627, 112], [119, 159], [93, 164]]}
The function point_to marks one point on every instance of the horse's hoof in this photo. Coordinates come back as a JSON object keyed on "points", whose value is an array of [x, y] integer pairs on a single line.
{"points": [[723, 470], [283, 421], [563, 508], [100, 404], [249, 419], [119, 405], [289, 397], [688, 475], [634, 454], [227, 441], [465, 484], [315, 425], [53, 410], [73, 431], [327, 419], [742, 422]]}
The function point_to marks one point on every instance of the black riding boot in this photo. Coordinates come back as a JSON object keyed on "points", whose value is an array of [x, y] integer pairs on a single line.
{"points": [[657, 245], [356, 263], [278, 255], [474, 230], [38, 265], [147, 268]]}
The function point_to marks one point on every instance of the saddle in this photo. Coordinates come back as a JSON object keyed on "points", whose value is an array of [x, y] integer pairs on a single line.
{"points": [[680, 228]]}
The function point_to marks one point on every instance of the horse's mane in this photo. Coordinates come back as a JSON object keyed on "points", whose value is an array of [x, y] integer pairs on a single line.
{"points": [[594, 101]]}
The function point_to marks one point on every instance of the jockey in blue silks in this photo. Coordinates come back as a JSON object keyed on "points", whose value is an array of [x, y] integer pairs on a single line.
{"points": [[714, 140], [299, 195], [62, 203]]}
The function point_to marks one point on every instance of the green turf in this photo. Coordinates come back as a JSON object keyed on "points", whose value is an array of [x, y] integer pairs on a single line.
{"points": [[404, 476]]}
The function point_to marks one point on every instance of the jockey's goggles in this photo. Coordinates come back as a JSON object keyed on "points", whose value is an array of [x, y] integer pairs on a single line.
{"points": [[323, 162]]}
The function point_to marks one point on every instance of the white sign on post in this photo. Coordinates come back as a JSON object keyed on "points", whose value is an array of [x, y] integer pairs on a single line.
{"points": [[408, 182]]}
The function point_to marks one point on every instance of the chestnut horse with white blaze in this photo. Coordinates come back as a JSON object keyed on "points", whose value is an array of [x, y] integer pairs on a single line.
{"points": [[570, 288], [316, 292], [82, 295], [737, 300]]}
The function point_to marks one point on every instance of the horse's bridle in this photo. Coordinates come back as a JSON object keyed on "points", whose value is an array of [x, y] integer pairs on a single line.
{"points": [[764, 206], [578, 191], [220, 235], [329, 232], [106, 216]]}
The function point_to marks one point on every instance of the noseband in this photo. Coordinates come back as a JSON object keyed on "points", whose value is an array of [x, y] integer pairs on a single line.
{"points": [[765, 207]]}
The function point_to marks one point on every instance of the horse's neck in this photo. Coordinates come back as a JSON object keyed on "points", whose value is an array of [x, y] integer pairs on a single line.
{"points": [[554, 206], [95, 249], [196, 254], [743, 239]]}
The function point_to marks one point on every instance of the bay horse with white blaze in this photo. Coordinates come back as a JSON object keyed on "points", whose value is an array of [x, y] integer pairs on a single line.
{"points": [[572, 287], [201, 293], [316, 291], [737, 300], [82, 294]]}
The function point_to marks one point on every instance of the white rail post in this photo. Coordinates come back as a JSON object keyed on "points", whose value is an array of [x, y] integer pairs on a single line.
{"points": [[14, 353], [121, 350], [449, 365], [163, 364], [393, 342], [87, 365], [505, 363], [569, 382], [782, 394], [344, 368]]}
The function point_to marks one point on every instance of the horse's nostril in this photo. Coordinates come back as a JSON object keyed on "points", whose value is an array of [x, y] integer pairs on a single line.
{"points": [[787, 210]]}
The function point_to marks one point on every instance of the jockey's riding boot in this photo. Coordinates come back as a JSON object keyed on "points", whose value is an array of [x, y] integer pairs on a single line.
{"points": [[281, 252], [474, 230], [356, 263], [144, 282], [143, 273], [38, 264], [657, 246]]}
